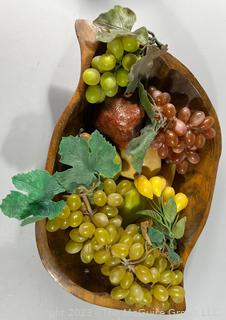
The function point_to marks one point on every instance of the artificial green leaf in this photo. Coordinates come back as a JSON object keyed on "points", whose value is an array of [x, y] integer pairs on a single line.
{"points": [[15, 205], [31, 219], [47, 208], [151, 214], [103, 154], [157, 237], [74, 151], [37, 188], [170, 210], [106, 36], [117, 22], [142, 68], [88, 159], [74, 177], [37, 184], [142, 35], [179, 228], [156, 218], [118, 18], [147, 213], [145, 102], [138, 146], [173, 257]]}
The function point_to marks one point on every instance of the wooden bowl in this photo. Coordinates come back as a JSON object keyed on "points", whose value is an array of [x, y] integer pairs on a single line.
{"points": [[86, 281]]}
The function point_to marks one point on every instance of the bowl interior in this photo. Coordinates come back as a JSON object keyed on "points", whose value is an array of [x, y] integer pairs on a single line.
{"points": [[197, 183]]}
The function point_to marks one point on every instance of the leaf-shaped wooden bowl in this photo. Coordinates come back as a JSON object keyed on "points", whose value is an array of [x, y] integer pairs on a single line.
{"points": [[86, 281]]}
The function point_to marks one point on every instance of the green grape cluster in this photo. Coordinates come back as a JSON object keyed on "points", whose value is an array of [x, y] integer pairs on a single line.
{"points": [[110, 70], [139, 274], [71, 216]]}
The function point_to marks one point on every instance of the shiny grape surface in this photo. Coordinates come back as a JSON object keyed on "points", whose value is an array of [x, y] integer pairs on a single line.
{"points": [[138, 274], [116, 48], [185, 133], [91, 76], [110, 71], [94, 94]]}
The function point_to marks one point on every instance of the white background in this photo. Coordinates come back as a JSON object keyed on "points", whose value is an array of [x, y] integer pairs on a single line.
{"points": [[39, 70]]}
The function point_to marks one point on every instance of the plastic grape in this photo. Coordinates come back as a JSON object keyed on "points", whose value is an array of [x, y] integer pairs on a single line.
{"points": [[95, 245], [155, 274], [116, 274], [132, 229], [75, 219], [73, 247], [93, 94], [120, 250], [184, 114], [136, 292], [108, 81], [102, 236], [101, 256], [161, 264], [53, 225], [105, 270], [119, 293], [113, 262], [91, 76], [167, 277], [110, 212], [147, 299], [138, 238], [76, 236], [117, 221], [112, 92], [116, 48], [127, 239], [127, 280], [99, 198], [113, 232], [136, 251], [96, 63], [150, 260], [100, 219], [160, 293], [107, 62], [109, 186], [124, 186], [87, 229], [64, 224], [177, 294], [128, 61], [197, 118], [178, 277], [130, 44], [122, 77], [87, 253], [115, 200], [143, 274], [74, 202], [65, 213]]}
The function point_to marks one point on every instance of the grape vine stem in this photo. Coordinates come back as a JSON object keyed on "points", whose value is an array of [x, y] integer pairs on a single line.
{"points": [[87, 204], [130, 264], [84, 192]]}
